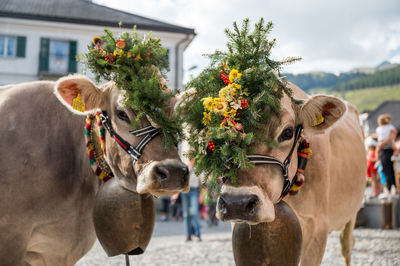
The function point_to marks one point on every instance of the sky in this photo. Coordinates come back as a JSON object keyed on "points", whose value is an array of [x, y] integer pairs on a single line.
{"points": [[330, 35]]}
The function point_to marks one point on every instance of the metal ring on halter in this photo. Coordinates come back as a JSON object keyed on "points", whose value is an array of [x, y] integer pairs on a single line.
{"points": [[150, 132], [265, 159]]}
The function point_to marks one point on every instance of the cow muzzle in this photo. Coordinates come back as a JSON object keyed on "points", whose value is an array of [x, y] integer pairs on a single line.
{"points": [[246, 204], [165, 177]]}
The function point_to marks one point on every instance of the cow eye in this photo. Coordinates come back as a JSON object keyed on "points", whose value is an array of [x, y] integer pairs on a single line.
{"points": [[286, 134], [123, 116]]}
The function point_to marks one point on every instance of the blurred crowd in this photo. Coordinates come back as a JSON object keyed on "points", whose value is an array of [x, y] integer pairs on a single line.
{"points": [[383, 158]]}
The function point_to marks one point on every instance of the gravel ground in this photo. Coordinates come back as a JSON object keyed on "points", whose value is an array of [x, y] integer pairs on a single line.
{"points": [[167, 247]]}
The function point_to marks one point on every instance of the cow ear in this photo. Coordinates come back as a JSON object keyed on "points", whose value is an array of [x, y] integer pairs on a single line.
{"points": [[320, 113], [79, 94]]}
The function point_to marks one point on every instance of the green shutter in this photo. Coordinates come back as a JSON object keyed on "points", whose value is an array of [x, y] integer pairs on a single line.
{"points": [[21, 46], [72, 57], [44, 54]]}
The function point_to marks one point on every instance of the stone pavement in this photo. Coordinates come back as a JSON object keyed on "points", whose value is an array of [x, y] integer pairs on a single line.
{"points": [[167, 247]]}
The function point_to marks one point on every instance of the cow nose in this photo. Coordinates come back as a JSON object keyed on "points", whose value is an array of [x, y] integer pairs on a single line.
{"points": [[165, 172], [237, 207]]}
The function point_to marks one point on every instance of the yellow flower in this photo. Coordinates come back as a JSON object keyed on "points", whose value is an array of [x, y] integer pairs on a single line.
{"points": [[222, 93], [206, 118], [227, 93], [231, 113], [236, 86], [208, 103], [219, 106], [234, 74], [118, 52]]}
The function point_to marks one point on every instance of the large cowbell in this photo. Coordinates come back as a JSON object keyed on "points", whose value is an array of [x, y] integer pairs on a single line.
{"points": [[275, 243], [123, 220]]}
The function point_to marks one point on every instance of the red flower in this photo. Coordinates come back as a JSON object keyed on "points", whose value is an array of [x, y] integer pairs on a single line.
{"points": [[120, 43], [244, 103]]}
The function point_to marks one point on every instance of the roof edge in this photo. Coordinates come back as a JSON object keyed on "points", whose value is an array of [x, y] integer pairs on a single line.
{"points": [[169, 28], [377, 109]]}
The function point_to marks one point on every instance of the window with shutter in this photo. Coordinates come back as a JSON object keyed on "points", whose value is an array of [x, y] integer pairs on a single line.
{"points": [[59, 57]]}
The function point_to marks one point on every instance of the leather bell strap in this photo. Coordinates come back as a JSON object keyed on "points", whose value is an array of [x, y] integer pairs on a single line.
{"points": [[150, 132], [265, 159]]}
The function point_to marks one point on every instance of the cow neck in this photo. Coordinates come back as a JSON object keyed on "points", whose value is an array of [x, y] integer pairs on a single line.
{"points": [[96, 155], [289, 187]]}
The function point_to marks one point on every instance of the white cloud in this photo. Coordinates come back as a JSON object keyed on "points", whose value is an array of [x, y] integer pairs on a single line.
{"points": [[329, 35]]}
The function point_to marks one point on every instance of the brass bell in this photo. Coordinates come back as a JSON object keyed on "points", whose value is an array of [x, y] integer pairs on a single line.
{"points": [[123, 220], [276, 243]]}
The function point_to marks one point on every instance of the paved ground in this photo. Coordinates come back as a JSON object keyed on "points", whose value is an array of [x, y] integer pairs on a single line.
{"points": [[167, 247]]}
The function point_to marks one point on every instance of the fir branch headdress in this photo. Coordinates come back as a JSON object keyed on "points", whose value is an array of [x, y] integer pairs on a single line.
{"points": [[227, 110], [137, 65]]}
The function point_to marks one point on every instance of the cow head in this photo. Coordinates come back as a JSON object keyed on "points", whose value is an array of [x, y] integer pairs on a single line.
{"points": [[260, 188], [158, 171]]}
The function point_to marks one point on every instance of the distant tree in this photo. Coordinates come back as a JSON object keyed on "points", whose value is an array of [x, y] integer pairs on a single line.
{"points": [[380, 78]]}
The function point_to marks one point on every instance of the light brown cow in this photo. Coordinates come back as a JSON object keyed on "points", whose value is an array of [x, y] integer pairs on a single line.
{"points": [[334, 178], [46, 183]]}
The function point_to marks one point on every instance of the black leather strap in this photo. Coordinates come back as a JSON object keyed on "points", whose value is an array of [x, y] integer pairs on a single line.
{"points": [[265, 159], [150, 132]]}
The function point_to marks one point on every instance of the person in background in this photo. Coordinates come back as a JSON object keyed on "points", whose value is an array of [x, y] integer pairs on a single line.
{"points": [[396, 161], [386, 133], [165, 200], [371, 170], [190, 206], [176, 205]]}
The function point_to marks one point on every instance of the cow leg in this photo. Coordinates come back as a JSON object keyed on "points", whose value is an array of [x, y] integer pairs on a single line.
{"points": [[315, 236], [14, 241], [347, 241], [61, 243]]}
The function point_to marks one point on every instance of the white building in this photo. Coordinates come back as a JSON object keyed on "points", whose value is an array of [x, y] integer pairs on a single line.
{"points": [[40, 38]]}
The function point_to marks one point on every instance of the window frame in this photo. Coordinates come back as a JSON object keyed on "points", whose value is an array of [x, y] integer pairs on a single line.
{"points": [[6, 38], [67, 55]]}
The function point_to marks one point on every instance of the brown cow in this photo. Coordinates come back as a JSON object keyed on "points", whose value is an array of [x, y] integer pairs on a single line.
{"points": [[47, 186], [334, 178]]}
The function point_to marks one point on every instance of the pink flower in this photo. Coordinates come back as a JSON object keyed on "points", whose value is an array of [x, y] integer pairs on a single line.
{"points": [[120, 44]]}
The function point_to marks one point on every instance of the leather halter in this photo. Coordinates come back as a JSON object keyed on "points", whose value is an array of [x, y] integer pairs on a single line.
{"points": [[264, 159], [150, 132]]}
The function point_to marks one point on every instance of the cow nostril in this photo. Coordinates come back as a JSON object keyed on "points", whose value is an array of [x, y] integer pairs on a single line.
{"points": [[162, 172], [185, 172], [251, 205], [222, 206]]}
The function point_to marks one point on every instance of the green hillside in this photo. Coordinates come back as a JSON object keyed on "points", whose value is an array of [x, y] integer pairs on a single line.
{"points": [[369, 98], [308, 81], [352, 80], [384, 77]]}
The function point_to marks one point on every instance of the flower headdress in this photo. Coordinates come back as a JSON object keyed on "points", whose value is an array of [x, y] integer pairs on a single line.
{"points": [[226, 113], [137, 65]]}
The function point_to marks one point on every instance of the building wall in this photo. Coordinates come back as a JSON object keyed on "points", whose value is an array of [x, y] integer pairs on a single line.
{"points": [[390, 107], [16, 70]]}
